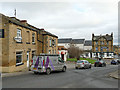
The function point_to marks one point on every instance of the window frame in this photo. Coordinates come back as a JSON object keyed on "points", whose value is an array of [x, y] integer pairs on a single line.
{"points": [[19, 33], [21, 57], [50, 42], [33, 37]]}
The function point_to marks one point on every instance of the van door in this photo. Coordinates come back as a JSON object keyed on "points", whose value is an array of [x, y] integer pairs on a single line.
{"points": [[60, 63]]}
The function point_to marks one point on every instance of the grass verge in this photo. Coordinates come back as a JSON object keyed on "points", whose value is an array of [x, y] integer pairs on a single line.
{"points": [[92, 61]]}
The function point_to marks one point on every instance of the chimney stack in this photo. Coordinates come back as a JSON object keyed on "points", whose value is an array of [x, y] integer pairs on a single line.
{"points": [[23, 21]]}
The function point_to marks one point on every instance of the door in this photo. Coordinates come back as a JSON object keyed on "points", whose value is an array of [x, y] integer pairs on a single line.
{"points": [[60, 63], [27, 59]]}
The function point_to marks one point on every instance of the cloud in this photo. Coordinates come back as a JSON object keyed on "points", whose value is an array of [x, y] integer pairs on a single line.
{"points": [[75, 19]]}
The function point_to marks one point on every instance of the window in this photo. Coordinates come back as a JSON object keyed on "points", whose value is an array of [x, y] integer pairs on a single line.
{"points": [[50, 42], [18, 57], [101, 48], [107, 54], [107, 49], [86, 61], [60, 60], [86, 54], [96, 48], [96, 42], [49, 51], [18, 33], [33, 53], [103, 43], [55, 51], [55, 42], [33, 38], [18, 38]]}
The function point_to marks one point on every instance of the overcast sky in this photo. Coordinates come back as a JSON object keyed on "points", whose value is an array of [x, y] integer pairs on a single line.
{"points": [[68, 19]]}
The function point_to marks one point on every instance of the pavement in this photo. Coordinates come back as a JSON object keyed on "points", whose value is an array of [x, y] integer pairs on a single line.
{"points": [[72, 78], [114, 74]]}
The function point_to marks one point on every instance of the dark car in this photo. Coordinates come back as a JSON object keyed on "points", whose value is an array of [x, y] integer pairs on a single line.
{"points": [[115, 62], [99, 63]]}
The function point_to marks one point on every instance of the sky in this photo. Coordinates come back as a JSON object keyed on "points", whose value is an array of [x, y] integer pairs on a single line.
{"points": [[76, 19]]}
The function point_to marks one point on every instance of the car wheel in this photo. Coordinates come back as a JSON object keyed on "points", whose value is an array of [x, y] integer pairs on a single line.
{"points": [[102, 65], [35, 72], [76, 67], [97, 65], [64, 69], [90, 66], [85, 67], [48, 71], [105, 65]]}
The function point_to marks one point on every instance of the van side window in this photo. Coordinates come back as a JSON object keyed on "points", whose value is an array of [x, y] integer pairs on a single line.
{"points": [[60, 60]]}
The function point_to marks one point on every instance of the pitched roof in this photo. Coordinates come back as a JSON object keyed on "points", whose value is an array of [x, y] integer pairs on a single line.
{"points": [[48, 33], [65, 40], [78, 41], [16, 21], [107, 37], [88, 43]]}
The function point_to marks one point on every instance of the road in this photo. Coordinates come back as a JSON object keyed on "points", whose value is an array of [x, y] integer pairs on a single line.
{"points": [[96, 77]]}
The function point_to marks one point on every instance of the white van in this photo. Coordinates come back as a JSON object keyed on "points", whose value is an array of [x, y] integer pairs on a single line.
{"points": [[47, 63]]}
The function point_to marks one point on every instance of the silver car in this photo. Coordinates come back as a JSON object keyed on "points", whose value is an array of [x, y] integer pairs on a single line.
{"points": [[82, 64]]}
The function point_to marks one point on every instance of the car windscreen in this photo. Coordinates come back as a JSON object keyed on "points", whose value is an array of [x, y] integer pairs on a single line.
{"points": [[79, 61]]}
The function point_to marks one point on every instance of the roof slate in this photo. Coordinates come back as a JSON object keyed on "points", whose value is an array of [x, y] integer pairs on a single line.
{"points": [[70, 40], [88, 43], [108, 37]]}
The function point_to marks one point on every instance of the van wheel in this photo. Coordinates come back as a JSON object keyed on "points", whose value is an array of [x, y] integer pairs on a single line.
{"points": [[64, 69], [35, 72], [48, 71]]}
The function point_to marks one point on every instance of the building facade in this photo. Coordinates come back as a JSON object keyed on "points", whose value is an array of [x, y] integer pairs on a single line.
{"points": [[85, 45], [63, 52], [50, 42], [67, 41], [20, 41], [116, 49], [102, 46], [88, 49]]}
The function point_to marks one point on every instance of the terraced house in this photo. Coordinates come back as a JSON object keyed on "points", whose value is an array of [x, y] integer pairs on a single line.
{"points": [[20, 41], [102, 46]]}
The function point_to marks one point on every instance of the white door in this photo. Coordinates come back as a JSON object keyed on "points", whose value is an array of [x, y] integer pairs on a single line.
{"points": [[27, 59]]}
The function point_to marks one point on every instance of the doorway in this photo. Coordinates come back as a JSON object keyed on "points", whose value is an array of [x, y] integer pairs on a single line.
{"points": [[28, 59]]}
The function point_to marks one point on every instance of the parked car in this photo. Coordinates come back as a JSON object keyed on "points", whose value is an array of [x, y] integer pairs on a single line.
{"points": [[115, 62], [99, 63], [82, 64], [47, 63]]}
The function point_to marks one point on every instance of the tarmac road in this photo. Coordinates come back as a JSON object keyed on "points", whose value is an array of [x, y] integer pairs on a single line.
{"points": [[96, 77]]}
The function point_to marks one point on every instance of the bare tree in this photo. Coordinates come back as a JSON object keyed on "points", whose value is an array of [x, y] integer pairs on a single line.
{"points": [[74, 51]]}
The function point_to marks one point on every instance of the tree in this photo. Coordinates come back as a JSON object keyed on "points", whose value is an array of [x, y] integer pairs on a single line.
{"points": [[74, 51]]}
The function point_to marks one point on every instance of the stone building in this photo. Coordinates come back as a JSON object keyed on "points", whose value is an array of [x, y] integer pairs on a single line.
{"points": [[102, 46], [88, 49], [116, 50], [50, 42], [20, 41]]}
